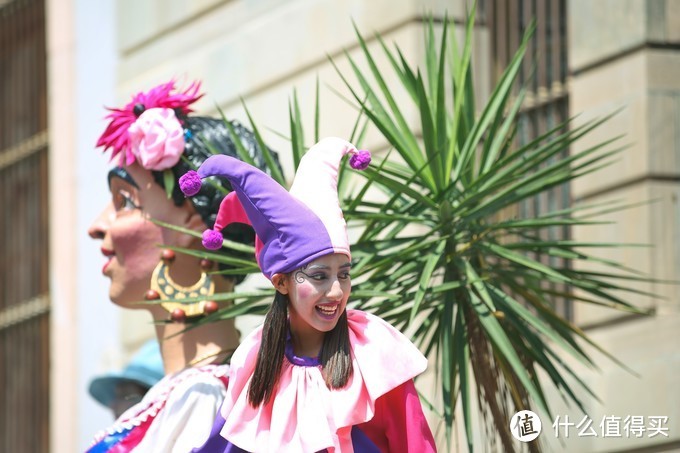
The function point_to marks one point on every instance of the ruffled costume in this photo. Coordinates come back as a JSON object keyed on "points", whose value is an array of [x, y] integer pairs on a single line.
{"points": [[378, 410], [174, 416], [154, 130]]}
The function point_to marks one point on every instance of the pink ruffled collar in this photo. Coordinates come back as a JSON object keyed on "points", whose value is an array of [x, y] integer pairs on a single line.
{"points": [[304, 414]]}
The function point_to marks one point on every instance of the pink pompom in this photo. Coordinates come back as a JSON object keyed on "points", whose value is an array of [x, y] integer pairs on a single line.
{"points": [[360, 159], [190, 183], [212, 240]]}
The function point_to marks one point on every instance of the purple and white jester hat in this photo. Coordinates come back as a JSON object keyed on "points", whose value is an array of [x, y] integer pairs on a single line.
{"points": [[293, 228]]}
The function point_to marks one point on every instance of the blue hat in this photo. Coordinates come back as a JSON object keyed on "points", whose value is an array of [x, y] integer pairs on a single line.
{"points": [[145, 369]]}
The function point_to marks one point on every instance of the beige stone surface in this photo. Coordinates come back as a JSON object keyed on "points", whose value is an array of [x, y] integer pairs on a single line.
{"points": [[663, 20], [63, 291], [599, 29], [653, 226], [141, 23], [672, 20], [603, 29], [619, 86], [664, 228], [664, 132], [239, 49], [136, 327], [663, 67], [645, 88], [649, 349], [338, 109], [145, 20], [664, 112]]}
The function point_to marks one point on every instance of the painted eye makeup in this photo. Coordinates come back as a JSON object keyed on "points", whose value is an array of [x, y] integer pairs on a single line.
{"points": [[319, 276], [301, 276], [344, 272], [123, 201]]}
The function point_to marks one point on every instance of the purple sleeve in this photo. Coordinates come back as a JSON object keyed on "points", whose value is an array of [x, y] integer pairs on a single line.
{"points": [[215, 442]]}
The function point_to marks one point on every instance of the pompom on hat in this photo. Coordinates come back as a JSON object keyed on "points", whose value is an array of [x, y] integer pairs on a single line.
{"points": [[293, 228]]}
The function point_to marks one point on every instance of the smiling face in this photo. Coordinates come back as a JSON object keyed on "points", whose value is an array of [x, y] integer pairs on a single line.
{"points": [[129, 239], [317, 294]]}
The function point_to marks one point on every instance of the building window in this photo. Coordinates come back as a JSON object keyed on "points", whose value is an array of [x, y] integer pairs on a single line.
{"points": [[544, 73], [24, 291]]}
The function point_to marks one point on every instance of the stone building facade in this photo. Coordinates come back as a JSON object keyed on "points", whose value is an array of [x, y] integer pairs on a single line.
{"points": [[621, 54]]}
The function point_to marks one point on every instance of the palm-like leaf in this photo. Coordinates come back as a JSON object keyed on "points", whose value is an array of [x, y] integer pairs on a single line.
{"points": [[467, 282], [437, 260]]}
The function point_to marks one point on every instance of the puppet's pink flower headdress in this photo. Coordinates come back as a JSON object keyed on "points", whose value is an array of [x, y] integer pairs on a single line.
{"points": [[147, 129]]}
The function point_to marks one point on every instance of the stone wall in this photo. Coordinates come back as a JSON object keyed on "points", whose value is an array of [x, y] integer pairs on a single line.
{"points": [[625, 55]]}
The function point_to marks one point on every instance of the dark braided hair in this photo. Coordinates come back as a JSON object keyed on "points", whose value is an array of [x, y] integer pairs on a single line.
{"points": [[198, 130]]}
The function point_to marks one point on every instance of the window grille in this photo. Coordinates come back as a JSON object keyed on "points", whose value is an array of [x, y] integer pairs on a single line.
{"points": [[544, 72], [24, 290]]}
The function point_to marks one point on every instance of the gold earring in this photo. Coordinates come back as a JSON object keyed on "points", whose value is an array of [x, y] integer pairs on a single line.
{"points": [[164, 287]]}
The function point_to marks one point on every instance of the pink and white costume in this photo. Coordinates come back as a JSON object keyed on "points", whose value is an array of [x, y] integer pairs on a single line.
{"points": [[304, 415], [378, 408]]}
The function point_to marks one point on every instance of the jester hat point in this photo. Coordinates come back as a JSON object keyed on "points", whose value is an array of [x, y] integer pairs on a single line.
{"points": [[293, 228]]}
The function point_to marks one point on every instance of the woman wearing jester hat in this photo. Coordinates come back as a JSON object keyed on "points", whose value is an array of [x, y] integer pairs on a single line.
{"points": [[155, 140], [316, 376]]}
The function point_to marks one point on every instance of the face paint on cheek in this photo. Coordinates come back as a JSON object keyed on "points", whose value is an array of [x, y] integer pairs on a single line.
{"points": [[304, 291]]}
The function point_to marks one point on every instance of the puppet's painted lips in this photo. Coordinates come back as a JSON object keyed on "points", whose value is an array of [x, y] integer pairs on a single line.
{"points": [[110, 254], [106, 265]]}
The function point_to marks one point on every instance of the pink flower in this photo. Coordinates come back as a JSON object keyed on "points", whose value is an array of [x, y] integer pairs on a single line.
{"points": [[157, 139]]}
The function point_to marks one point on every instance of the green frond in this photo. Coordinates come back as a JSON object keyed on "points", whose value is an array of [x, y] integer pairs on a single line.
{"points": [[438, 257]]}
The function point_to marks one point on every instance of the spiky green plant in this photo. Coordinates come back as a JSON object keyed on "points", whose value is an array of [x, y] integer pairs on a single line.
{"points": [[464, 280], [436, 259]]}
